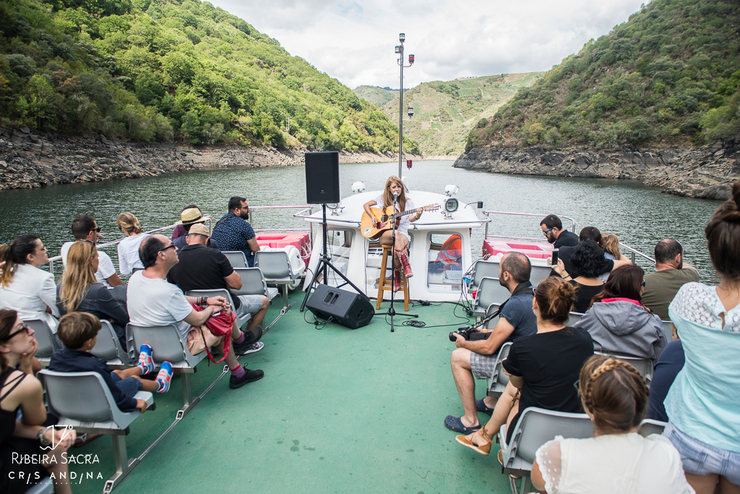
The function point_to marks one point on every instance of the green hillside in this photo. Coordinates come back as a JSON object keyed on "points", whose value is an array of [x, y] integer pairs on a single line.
{"points": [[669, 75], [445, 112], [162, 70]]}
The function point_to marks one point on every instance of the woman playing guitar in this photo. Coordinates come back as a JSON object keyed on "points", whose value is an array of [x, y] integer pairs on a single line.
{"points": [[394, 186]]}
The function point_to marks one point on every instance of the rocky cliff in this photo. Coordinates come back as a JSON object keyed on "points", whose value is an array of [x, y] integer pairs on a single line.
{"points": [[29, 160], [703, 172]]}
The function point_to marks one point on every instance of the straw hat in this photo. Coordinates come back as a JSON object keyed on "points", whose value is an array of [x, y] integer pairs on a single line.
{"points": [[190, 216]]}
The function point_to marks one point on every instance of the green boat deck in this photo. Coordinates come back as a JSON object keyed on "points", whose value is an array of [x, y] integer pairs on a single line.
{"points": [[338, 410]]}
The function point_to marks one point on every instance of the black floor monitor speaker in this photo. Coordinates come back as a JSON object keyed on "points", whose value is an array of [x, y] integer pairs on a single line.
{"points": [[346, 308], [322, 178]]}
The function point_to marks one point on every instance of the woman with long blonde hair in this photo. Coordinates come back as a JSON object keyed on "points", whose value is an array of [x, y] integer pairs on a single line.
{"points": [[394, 187], [128, 248], [79, 291]]}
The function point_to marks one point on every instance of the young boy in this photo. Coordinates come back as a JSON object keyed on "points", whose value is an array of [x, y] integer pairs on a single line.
{"points": [[79, 333]]}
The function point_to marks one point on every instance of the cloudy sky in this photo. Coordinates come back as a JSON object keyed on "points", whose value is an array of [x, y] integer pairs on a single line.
{"points": [[354, 41]]}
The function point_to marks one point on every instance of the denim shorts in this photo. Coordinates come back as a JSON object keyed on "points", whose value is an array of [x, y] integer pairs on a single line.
{"points": [[702, 459], [129, 386]]}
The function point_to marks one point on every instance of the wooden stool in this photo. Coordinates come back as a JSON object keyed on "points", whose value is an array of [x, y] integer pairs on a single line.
{"points": [[387, 284]]}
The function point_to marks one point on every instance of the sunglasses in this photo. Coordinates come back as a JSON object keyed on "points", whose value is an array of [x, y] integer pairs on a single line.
{"points": [[24, 329], [98, 229], [171, 246], [547, 231]]}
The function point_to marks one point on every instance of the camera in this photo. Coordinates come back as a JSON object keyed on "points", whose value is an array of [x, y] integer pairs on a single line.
{"points": [[464, 331]]}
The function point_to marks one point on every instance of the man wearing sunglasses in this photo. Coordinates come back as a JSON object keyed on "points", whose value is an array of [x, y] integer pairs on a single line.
{"points": [[552, 229], [84, 227]]}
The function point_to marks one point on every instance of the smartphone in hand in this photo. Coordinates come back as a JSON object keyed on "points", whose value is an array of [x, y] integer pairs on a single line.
{"points": [[555, 256]]}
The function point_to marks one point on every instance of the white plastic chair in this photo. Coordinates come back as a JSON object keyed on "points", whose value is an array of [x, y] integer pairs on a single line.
{"points": [[167, 344], [536, 426], [643, 365], [253, 283], [489, 292], [276, 268], [108, 347], [83, 402], [538, 274], [574, 317], [483, 269], [236, 258], [651, 426], [498, 381], [47, 340]]}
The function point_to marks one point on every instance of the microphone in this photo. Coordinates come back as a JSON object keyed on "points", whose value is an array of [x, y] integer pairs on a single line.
{"points": [[395, 195]]}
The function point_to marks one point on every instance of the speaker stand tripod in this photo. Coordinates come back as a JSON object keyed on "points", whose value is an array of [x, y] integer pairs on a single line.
{"points": [[323, 266], [391, 311]]}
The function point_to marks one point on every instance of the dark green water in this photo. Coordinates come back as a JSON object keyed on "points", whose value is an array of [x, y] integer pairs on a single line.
{"points": [[639, 215]]}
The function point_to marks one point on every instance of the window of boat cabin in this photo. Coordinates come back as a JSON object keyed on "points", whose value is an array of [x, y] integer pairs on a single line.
{"points": [[444, 262], [338, 243]]}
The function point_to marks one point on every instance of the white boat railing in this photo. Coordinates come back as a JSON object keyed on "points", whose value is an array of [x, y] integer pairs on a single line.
{"points": [[632, 253]]}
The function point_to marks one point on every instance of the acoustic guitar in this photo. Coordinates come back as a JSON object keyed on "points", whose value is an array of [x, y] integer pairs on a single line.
{"points": [[368, 223]]}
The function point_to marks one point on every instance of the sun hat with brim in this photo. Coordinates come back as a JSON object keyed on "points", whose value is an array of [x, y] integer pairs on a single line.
{"points": [[199, 229], [190, 216]]}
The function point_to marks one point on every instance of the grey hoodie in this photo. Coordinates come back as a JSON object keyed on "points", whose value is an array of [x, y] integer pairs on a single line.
{"points": [[624, 328]]}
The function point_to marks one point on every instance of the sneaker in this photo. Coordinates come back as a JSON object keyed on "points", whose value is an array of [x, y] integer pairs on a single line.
{"points": [[146, 362], [253, 335], [248, 377], [164, 377], [246, 349]]}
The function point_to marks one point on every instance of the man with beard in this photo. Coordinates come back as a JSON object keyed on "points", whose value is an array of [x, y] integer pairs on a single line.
{"points": [[552, 229], [477, 358], [233, 232]]}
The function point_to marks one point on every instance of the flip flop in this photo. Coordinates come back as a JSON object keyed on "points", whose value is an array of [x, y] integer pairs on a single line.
{"points": [[481, 406], [455, 424]]}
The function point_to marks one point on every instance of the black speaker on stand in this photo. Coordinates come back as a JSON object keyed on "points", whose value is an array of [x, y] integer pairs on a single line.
{"points": [[346, 308]]}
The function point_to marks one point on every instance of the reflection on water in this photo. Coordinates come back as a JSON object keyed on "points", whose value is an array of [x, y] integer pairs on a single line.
{"points": [[639, 215]]}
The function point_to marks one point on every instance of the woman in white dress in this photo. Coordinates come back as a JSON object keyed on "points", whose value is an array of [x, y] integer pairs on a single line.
{"points": [[128, 248], [23, 286], [617, 459]]}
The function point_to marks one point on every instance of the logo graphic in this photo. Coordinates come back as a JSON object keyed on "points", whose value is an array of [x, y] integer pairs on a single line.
{"points": [[67, 430]]}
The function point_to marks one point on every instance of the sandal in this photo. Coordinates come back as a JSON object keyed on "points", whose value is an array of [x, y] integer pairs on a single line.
{"points": [[455, 424], [481, 406], [483, 449]]}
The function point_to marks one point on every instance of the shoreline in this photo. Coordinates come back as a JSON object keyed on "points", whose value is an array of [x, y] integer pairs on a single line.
{"points": [[31, 160], [706, 172]]}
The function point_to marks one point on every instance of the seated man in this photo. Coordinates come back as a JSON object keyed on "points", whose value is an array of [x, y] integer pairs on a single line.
{"points": [[233, 232], [79, 333], [154, 302], [202, 267], [477, 358], [671, 273], [552, 229], [189, 216]]}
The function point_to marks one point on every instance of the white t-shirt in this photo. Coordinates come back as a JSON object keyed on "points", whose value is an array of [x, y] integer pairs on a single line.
{"points": [[105, 265], [128, 253], [613, 463], [403, 224], [155, 302]]}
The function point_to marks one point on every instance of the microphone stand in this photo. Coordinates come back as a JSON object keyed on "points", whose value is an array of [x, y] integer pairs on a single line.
{"points": [[392, 311]]}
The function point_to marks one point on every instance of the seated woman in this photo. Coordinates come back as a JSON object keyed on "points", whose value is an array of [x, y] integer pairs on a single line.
{"points": [[20, 390], [128, 248], [23, 286], [618, 322], [541, 367], [394, 186], [587, 263], [616, 459], [80, 291], [703, 409], [610, 244]]}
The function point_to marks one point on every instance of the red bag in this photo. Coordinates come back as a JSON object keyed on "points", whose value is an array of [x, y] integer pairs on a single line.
{"points": [[220, 325]]}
